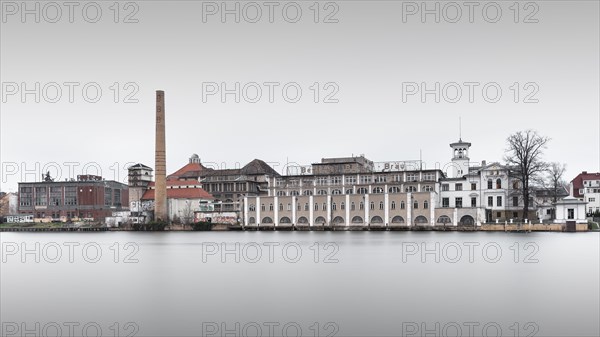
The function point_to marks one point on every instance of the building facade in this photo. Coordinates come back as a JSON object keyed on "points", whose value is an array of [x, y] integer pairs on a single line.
{"points": [[87, 198], [586, 187], [355, 191]]}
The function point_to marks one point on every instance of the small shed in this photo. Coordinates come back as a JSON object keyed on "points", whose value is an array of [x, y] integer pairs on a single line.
{"points": [[570, 209]]}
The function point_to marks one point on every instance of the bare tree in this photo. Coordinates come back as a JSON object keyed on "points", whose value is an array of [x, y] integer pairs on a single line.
{"points": [[555, 179], [524, 157]]}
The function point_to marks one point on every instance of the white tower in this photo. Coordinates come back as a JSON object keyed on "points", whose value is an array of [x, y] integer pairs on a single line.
{"points": [[460, 158]]}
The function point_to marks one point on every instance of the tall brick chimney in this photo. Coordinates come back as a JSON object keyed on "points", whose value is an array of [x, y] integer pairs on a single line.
{"points": [[160, 161]]}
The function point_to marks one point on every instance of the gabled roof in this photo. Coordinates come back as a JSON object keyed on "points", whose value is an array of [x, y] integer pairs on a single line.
{"points": [[187, 170], [180, 193], [259, 167], [139, 165], [578, 181]]}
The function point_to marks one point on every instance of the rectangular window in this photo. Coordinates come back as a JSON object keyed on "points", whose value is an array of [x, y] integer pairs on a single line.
{"points": [[380, 179], [571, 213], [473, 202], [117, 197], [515, 201], [445, 202], [336, 180], [412, 176], [350, 180], [592, 199], [445, 187], [458, 187], [365, 179], [55, 196], [429, 176], [41, 199], [458, 202], [321, 181], [473, 186], [397, 178], [107, 196], [498, 201], [70, 195], [25, 196], [490, 201]]}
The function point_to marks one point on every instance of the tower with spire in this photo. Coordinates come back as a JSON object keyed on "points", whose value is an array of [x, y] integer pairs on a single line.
{"points": [[460, 155]]}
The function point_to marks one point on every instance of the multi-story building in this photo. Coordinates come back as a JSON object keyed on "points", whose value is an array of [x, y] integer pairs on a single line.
{"points": [[586, 187], [89, 197], [348, 191], [356, 191]]}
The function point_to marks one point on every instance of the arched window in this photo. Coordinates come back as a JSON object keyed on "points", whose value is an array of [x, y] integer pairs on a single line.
{"points": [[285, 219], [320, 220], [378, 190], [336, 192], [307, 192], [337, 220], [393, 205], [362, 190], [467, 220], [324, 206], [402, 206], [394, 189], [294, 193], [357, 219], [349, 191], [381, 205], [352, 206], [411, 189], [281, 193], [342, 205], [427, 188], [361, 206], [306, 206], [267, 220], [289, 207], [498, 183], [416, 204], [516, 185], [376, 219], [426, 204], [316, 206], [251, 220], [444, 219], [372, 205], [262, 207], [252, 208], [397, 219], [302, 220], [270, 207], [333, 206], [321, 192], [420, 220], [298, 207]]}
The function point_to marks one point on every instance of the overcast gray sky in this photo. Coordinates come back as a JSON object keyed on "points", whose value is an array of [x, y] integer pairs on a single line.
{"points": [[369, 60]]}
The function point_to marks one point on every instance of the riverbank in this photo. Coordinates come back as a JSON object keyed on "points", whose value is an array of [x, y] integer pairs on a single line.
{"points": [[220, 227]]}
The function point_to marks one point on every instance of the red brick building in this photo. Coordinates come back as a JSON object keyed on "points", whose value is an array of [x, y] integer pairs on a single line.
{"points": [[88, 197]]}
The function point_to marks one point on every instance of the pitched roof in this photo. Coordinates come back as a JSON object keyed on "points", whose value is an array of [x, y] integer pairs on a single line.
{"points": [[139, 165], [180, 193], [186, 170], [258, 167], [578, 181]]}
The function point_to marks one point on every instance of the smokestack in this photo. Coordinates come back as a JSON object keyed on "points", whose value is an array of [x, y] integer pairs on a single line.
{"points": [[160, 161]]}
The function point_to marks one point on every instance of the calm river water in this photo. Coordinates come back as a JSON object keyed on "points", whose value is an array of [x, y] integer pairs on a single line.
{"points": [[300, 283]]}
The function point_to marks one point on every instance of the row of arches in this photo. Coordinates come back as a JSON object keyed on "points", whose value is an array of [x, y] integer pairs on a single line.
{"points": [[466, 220]]}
